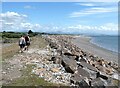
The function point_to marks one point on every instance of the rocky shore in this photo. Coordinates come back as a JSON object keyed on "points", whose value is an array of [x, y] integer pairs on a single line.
{"points": [[62, 62], [70, 65]]}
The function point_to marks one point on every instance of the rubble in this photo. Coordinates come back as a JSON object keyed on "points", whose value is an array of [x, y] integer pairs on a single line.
{"points": [[69, 65]]}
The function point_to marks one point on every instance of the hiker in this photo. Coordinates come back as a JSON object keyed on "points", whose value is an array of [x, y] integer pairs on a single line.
{"points": [[22, 43], [27, 40]]}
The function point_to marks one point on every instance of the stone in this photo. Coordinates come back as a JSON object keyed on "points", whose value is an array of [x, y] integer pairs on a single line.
{"points": [[75, 78], [69, 64], [83, 73], [72, 57], [106, 70], [53, 45], [56, 59], [101, 75], [40, 70], [98, 82], [55, 70], [93, 74], [82, 59], [78, 80], [87, 65]]}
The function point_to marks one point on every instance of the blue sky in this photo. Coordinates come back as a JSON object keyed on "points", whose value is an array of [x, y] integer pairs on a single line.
{"points": [[69, 17]]}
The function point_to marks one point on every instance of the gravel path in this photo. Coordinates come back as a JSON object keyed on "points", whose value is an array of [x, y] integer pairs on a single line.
{"points": [[12, 67]]}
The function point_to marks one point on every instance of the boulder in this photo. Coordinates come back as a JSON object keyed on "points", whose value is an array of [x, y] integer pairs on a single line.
{"points": [[101, 75], [72, 57], [93, 74], [107, 70], [69, 64], [82, 59], [87, 65], [79, 81], [97, 83], [83, 73]]}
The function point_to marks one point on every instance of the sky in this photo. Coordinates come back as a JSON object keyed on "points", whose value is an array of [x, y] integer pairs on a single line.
{"points": [[60, 17]]}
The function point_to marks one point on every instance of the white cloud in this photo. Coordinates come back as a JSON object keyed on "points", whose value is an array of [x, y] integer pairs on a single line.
{"points": [[95, 10], [12, 21], [109, 28], [28, 7], [97, 4], [86, 4]]}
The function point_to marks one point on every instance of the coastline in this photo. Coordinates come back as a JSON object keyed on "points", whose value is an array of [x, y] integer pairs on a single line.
{"points": [[85, 44]]}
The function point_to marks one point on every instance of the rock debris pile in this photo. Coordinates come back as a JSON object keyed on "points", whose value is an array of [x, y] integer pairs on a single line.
{"points": [[46, 68], [71, 65]]}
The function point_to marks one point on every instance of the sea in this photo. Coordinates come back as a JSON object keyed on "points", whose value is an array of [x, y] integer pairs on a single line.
{"points": [[108, 42]]}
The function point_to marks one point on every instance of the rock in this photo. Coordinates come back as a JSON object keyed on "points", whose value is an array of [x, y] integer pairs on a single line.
{"points": [[57, 59], [93, 74], [83, 65], [40, 70], [87, 65], [79, 81], [82, 59], [106, 70], [101, 75], [55, 70], [75, 78], [72, 57], [83, 73], [69, 64], [53, 45], [67, 53], [98, 83]]}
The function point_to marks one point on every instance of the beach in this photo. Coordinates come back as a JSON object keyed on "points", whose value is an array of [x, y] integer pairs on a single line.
{"points": [[84, 43]]}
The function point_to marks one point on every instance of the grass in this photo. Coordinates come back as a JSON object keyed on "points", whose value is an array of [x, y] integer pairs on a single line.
{"points": [[9, 51], [29, 79], [38, 42]]}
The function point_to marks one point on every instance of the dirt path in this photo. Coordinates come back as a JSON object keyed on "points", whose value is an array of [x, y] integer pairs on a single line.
{"points": [[12, 67]]}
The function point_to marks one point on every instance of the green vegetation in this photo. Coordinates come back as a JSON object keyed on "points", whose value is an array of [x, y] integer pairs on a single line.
{"points": [[38, 42], [9, 51], [12, 37], [17, 34], [29, 79], [0, 34]]}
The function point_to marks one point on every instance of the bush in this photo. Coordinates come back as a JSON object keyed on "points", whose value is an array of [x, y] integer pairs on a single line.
{"points": [[11, 35]]}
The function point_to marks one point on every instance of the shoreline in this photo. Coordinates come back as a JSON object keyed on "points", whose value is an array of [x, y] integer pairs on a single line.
{"points": [[84, 42]]}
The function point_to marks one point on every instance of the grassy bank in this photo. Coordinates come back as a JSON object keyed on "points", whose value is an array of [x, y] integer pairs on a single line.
{"points": [[27, 78], [9, 51]]}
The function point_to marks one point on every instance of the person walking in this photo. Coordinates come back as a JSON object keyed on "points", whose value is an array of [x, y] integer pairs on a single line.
{"points": [[22, 43], [27, 40]]}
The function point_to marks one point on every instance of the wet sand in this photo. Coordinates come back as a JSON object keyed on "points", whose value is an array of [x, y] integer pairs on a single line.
{"points": [[85, 44]]}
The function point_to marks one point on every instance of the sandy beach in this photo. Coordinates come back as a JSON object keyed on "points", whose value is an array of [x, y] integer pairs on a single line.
{"points": [[85, 44]]}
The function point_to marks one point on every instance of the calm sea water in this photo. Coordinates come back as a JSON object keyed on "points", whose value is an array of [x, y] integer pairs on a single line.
{"points": [[107, 42]]}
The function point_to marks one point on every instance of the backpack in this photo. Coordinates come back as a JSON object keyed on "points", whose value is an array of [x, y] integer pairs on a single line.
{"points": [[26, 38], [21, 41]]}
